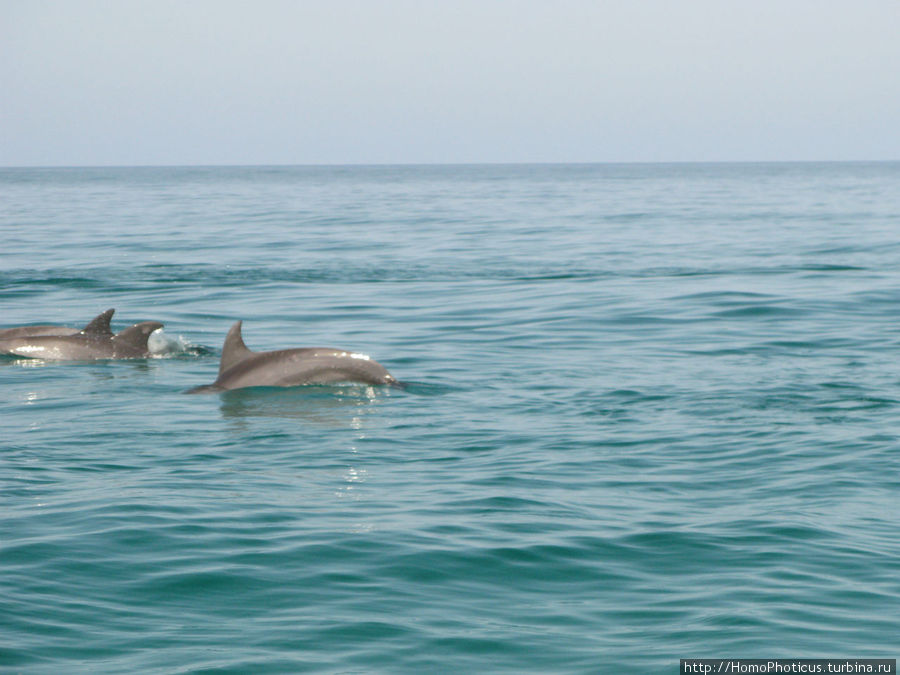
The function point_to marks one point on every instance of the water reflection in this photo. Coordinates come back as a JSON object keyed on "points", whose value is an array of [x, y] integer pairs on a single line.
{"points": [[22, 362], [96, 366], [331, 406]]}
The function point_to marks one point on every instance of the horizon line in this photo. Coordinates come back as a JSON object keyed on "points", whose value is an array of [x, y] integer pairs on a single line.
{"points": [[444, 164]]}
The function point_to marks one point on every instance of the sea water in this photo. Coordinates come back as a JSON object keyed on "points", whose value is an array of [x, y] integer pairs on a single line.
{"points": [[652, 412]]}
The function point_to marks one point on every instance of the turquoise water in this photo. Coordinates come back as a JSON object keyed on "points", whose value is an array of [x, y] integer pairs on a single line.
{"points": [[652, 414]]}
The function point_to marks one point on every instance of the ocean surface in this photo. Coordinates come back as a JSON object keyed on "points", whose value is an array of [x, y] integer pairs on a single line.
{"points": [[652, 412]]}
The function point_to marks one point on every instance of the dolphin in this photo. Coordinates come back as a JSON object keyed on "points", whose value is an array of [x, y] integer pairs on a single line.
{"points": [[240, 367], [100, 324], [131, 343]]}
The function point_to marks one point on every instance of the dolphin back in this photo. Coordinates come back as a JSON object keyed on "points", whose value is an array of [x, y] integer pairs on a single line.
{"points": [[35, 331], [241, 367], [133, 340], [99, 325], [205, 389]]}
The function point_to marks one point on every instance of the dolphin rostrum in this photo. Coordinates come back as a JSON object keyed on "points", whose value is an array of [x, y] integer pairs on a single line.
{"points": [[87, 345], [100, 324], [241, 367]]}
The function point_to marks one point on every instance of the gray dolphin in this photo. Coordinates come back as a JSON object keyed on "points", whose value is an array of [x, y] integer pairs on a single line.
{"points": [[131, 343], [100, 325], [241, 367]]}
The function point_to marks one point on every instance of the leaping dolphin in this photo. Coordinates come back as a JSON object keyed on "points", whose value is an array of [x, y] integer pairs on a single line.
{"points": [[100, 325], [87, 345], [240, 367]]}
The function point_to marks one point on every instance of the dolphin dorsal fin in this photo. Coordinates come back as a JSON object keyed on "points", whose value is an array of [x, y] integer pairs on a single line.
{"points": [[136, 335], [100, 324], [234, 350]]}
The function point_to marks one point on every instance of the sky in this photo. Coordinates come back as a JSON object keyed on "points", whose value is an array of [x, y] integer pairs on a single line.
{"points": [[186, 82]]}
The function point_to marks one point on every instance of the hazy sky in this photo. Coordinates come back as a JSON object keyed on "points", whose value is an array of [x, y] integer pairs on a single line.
{"points": [[388, 81]]}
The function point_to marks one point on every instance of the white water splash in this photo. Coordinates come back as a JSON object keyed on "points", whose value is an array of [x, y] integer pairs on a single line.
{"points": [[160, 344]]}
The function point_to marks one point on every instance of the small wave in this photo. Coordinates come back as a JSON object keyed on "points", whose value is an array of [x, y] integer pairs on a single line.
{"points": [[760, 311], [126, 279]]}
